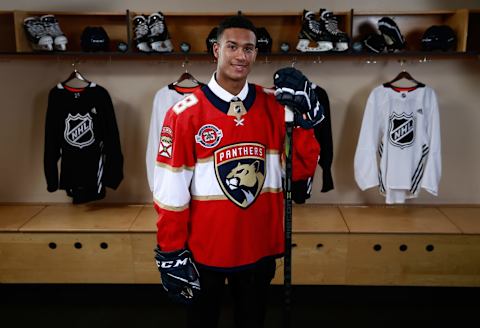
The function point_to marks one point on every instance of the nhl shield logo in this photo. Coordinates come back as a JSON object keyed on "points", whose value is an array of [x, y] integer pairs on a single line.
{"points": [[240, 171], [79, 130], [401, 130]]}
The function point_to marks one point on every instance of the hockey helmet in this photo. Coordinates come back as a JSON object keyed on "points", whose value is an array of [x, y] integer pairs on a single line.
{"points": [[439, 37], [394, 40], [264, 41], [211, 39], [374, 43], [94, 38]]}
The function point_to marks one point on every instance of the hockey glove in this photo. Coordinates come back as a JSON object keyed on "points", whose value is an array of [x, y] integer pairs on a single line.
{"points": [[179, 274], [294, 90]]}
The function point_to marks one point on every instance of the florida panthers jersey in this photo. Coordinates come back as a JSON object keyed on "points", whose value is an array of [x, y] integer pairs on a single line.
{"points": [[218, 178], [165, 98], [81, 129], [402, 126]]}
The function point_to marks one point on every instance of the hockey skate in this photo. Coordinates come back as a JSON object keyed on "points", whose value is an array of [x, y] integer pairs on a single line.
{"points": [[50, 23], [329, 22], [141, 31], [312, 33], [37, 35], [159, 38]]}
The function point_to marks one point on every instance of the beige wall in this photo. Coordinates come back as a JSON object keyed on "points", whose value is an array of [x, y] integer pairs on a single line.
{"points": [[24, 87], [209, 6]]}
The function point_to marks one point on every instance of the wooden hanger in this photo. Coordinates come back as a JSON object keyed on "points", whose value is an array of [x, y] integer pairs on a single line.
{"points": [[75, 75], [186, 76], [404, 75]]}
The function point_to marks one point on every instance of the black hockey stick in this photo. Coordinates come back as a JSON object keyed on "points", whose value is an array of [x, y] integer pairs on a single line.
{"points": [[287, 267]]}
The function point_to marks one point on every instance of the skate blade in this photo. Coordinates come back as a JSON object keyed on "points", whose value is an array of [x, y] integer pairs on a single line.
{"points": [[42, 47], [162, 46], [341, 46], [60, 43], [144, 47]]}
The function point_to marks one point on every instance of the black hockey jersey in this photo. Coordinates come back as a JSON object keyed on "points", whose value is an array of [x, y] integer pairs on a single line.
{"points": [[302, 188], [81, 129]]}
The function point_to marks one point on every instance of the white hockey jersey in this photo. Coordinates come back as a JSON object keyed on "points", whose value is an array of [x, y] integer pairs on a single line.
{"points": [[399, 145], [165, 98]]}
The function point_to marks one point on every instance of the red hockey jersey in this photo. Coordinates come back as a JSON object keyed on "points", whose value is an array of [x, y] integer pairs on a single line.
{"points": [[218, 178]]}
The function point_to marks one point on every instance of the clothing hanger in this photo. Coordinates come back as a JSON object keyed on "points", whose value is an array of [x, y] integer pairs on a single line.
{"points": [[186, 76], [75, 75], [404, 75]]}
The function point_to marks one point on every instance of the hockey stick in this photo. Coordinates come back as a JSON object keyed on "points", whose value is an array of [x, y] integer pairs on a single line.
{"points": [[287, 264]]}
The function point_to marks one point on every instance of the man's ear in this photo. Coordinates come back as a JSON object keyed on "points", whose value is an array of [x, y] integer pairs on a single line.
{"points": [[255, 56], [216, 48]]}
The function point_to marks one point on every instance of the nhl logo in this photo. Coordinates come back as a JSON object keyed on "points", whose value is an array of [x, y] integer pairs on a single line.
{"points": [[79, 130], [401, 129], [240, 171]]}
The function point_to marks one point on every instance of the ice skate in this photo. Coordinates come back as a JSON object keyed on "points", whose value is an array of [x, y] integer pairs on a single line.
{"points": [[159, 38], [339, 39], [37, 35], [140, 28], [50, 23], [311, 37]]}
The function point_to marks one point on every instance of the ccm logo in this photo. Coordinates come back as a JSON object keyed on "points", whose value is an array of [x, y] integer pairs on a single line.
{"points": [[173, 264]]}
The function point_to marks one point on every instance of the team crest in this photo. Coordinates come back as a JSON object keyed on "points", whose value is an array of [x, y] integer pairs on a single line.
{"points": [[240, 171], [209, 136], [79, 130], [165, 144], [401, 130]]}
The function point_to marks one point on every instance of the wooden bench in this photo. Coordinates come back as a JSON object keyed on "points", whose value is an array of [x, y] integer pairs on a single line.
{"points": [[334, 245]]}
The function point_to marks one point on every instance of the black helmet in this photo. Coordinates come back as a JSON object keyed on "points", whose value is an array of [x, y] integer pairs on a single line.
{"points": [[374, 43], [94, 38], [211, 39], [439, 37], [264, 41]]}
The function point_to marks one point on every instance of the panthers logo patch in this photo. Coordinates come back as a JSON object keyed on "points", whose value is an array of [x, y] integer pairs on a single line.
{"points": [[240, 171]]}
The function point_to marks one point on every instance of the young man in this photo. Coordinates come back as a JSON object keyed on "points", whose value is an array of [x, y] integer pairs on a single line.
{"points": [[218, 188]]}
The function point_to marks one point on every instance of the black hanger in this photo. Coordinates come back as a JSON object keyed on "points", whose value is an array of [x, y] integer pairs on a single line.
{"points": [[404, 75], [76, 75], [186, 76]]}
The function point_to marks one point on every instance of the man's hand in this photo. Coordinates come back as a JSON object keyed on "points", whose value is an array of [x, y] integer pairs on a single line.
{"points": [[294, 90], [179, 274]]}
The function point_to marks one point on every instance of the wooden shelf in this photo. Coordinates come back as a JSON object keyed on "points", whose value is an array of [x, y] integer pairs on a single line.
{"points": [[193, 28]]}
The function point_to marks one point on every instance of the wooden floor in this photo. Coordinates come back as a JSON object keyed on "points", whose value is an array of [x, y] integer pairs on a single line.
{"points": [[334, 245]]}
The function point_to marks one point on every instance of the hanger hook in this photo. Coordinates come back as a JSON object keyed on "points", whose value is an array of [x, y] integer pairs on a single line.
{"points": [[402, 63], [185, 63], [294, 61], [75, 63]]}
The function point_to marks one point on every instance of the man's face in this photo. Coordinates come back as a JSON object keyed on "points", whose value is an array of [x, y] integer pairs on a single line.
{"points": [[235, 52]]}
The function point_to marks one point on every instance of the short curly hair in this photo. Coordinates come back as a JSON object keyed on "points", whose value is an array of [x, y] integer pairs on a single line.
{"points": [[237, 21]]}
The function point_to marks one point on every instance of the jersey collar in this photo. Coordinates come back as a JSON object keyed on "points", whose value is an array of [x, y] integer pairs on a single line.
{"points": [[224, 94]]}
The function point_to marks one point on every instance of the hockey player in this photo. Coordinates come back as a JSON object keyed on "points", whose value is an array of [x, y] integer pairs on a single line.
{"points": [[218, 188]]}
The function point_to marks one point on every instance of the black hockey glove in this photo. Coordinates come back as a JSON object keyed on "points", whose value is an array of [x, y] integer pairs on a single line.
{"points": [[294, 90], [179, 274]]}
